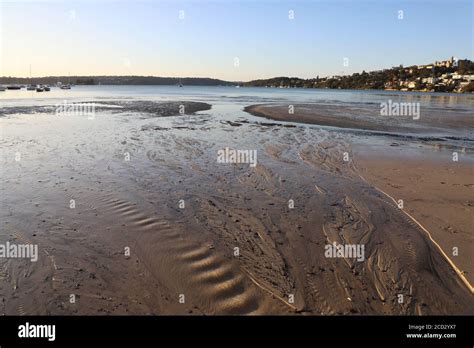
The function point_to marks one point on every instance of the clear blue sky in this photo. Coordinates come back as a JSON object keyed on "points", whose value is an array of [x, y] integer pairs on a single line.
{"points": [[149, 38]]}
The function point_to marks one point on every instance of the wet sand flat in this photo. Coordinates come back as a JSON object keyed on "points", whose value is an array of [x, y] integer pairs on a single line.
{"points": [[159, 226], [429, 121]]}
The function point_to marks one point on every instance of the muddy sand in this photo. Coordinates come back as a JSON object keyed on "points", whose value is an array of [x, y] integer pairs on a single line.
{"points": [[158, 226]]}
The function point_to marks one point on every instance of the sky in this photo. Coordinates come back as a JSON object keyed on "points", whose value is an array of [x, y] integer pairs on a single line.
{"points": [[236, 40]]}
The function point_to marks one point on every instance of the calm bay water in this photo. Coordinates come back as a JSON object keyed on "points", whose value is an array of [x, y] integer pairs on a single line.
{"points": [[219, 95]]}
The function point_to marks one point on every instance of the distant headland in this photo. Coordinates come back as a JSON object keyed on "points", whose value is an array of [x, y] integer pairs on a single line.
{"points": [[451, 75]]}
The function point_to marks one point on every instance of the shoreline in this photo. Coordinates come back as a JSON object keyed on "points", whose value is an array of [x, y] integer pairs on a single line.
{"points": [[421, 92]]}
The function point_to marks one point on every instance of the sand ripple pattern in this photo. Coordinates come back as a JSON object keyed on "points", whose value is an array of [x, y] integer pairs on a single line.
{"points": [[211, 282]]}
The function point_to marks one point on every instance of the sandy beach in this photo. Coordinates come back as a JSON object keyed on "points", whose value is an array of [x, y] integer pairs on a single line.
{"points": [[159, 226], [436, 193]]}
